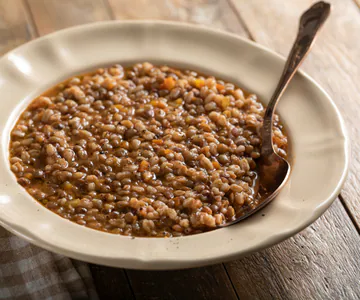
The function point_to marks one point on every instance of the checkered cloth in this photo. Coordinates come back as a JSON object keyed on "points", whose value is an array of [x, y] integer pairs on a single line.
{"points": [[29, 272]]}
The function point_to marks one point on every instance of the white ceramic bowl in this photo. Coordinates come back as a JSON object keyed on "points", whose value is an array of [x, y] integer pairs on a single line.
{"points": [[319, 142]]}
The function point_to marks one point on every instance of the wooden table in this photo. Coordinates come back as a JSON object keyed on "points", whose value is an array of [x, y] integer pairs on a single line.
{"points": [[321, 262]]}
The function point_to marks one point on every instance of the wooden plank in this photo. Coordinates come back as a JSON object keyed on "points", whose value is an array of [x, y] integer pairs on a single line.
{"points": [[211, 13], [200, 283], [322, 262], [14, 28], [333, 62], [51, 15], [111, 283]]}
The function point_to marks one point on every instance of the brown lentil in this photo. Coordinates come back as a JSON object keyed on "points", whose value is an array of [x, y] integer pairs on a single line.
{"points": [[142, 151]]}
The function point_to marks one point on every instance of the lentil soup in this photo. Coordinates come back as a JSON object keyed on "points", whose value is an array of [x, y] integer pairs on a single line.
{"points": [[142, 150]]}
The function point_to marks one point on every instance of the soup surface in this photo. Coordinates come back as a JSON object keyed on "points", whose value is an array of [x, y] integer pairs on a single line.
{"points": [[144, 150]]}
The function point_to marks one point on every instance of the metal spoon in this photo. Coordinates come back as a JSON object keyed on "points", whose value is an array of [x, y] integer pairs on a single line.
{"points": [[273, 169]]}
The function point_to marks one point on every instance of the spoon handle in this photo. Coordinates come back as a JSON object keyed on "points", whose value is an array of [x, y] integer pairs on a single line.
{"points": [[310, 23]]}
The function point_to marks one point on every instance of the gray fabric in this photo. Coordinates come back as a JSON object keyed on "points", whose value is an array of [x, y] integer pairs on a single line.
{"points": [[29, 272]]}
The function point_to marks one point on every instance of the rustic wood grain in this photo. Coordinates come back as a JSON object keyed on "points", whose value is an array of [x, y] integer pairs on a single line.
{"points": [[201, 283], [14, 25], [111, 283], [51, 15], [321, 262], [333, 62], [217, 15]]}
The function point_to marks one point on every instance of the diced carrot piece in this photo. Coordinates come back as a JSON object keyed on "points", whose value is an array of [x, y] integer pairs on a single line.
{"points": [[142, 212], [176, 103], [219, 87], [118, 106], [179, 101], [158, 142], [154, 102], [157, 103], [168, 84], [144, 165], [199, 83], [168, 151], [162, 104], [216, 165], [225, 102]]}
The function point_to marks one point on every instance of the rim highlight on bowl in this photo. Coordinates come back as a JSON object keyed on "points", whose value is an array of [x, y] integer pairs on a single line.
{"points": [[316, 129]]}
